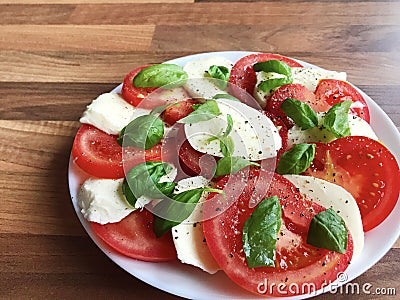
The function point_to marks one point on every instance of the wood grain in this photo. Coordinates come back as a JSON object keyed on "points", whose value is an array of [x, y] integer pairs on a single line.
{"points": [[76, 38], [77, 67]]}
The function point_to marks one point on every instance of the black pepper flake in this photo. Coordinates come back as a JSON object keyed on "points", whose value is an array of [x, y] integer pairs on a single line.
{"points": [[204, 240], [195, 224], [217, 209], [230, 255], [324, 264], [286, 279], [176, 237], [301, 215]]}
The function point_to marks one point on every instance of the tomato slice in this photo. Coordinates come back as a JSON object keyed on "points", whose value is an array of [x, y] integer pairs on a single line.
{"points": [[365, 168], [332, 91], [297, 264], [99, 154], [175, 112], [132, 94], [296, 91], [243, 77], [133, 236]]}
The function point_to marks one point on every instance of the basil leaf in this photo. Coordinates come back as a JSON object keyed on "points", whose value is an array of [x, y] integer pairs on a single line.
{"points": [[328, 230], [260, 233], [161, 75], [174, 211], [221, 73], [336, 119], [231, 165], [120, 138], [225, 142], [271, 84], [143, 180], [301, 113], [274, 66], [225, 96], [160, 109], [296, 160], [207, 111], [143, 132], [226, 145]]}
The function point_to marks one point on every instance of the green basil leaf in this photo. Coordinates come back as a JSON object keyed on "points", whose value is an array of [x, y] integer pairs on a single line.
{"points": [[229, 127], [301, 113], [206, 111], [120, 138], [143, 180], [271, 84], [143, 132], [160, 109], [161, 75], [225, 96], [274, 66], [231, 165], [174, 211], [296, 160], [336, 119], [328, 230], [226, 145], [221, 73], [260, 233]]}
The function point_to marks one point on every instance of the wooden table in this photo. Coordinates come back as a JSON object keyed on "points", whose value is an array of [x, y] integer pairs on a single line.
{"points": [[58, 55]]}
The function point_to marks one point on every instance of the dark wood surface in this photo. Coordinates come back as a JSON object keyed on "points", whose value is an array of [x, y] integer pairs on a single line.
{"points": [[58, 55]]}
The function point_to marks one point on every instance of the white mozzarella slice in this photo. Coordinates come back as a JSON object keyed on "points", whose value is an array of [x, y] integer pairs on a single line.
{"points": [[254, 135], [110, 113], [190, 243], [199, 84], [309, 77], [330, 195], [102, 201], [358, 127]]}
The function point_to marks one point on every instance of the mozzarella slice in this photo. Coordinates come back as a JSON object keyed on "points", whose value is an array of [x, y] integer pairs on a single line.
{"points": [[200, 85], [254, 135], [102, 201], [110, 113], [190, 243], [309, 77], [330, 195], [357, 125]]}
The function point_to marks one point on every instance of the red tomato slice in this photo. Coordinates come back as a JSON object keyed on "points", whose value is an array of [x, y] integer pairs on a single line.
{"points": [[99, 154], [132, 94], [365, 168], [283, 132], [133, 236], [178, 111], [296, 91], [243, 77], [297, 264], [334, 91], [195, 161]]}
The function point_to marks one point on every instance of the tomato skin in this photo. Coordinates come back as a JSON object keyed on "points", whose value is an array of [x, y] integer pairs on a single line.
{"points": [[365, 168], [243, 78], [174, 113], [133, 236], [132, 94], [297, 263], [333, 91], [99, 154], [296, 91]]}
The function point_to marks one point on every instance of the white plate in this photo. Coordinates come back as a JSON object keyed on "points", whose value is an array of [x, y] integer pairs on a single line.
{"points": [[190, 282]]}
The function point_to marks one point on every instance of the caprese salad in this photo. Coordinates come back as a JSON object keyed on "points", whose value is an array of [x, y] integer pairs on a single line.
{"points": [[261, 168]]}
